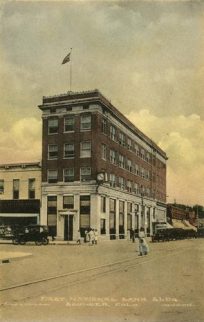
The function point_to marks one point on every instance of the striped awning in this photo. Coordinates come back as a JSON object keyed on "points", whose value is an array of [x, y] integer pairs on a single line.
{"points": [[179, 224], [186, 222]]}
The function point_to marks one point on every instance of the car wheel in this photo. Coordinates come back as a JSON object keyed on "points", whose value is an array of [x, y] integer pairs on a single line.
{"points": [[22, 242], [45, 241], [15, 241], [38, 242]]}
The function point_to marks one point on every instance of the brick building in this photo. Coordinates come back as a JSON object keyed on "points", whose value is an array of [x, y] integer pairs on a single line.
{"points": [[20, 193], [98, 169], [181, 216]]}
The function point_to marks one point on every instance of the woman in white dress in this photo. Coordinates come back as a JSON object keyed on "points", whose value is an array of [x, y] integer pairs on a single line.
{"points": [[143, 246]]}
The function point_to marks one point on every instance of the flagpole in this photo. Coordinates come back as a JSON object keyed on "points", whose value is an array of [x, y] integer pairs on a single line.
{"points": [[70, 76]]}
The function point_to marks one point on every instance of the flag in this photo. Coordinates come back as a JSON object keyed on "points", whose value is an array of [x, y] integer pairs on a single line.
{"points": [[66, 59]]}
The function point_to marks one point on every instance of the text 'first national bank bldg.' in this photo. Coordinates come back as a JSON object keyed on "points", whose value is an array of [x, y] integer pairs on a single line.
{"points": [[98, 169]]}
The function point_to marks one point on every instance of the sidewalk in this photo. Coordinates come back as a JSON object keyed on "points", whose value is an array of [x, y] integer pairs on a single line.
{"points": [[6, 257]]}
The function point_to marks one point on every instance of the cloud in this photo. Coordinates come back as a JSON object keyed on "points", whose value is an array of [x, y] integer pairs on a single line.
{"points": [[181, 137], [21, 142], [145, 56]]}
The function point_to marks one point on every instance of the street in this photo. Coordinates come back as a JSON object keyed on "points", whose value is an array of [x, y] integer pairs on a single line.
{"points": [[105, 282]]}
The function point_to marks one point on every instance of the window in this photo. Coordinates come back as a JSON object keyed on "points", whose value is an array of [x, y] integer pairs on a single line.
{"points": [[52, 214], [148, 192], [129, 186], [129, 143], [85, 209], [103, 226], [31, 189], [136, 188], [52, 176], [147, 174], [1, 186], [104, 151], [147, 157], [69, 175], [142, 173], [53, 126], [121, 161], [68, 202], [52, 151], [113, 132], [122, 138], [86, 122], [69, 150], [103, 204], [121, 183], [85, 173], [137, 150], [129, 165], [16, 184], [112, 180], [112, 218], [85, 149], [113, 156], [69, 122], [104, 127], [129, 215], [137, 171], [121, 218], [142, 154], [52, 205]]}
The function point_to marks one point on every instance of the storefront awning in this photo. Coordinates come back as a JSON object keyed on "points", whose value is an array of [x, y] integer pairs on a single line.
{"points": [[186, 222], [169, 226], [179, 224], [16, 215]]}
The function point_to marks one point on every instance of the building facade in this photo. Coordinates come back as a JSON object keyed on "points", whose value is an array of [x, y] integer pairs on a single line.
{"points": [[181, 216], [98, 169], [20, 193]]}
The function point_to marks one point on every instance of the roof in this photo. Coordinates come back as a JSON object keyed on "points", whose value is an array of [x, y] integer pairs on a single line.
{"points": [[20, 165]]}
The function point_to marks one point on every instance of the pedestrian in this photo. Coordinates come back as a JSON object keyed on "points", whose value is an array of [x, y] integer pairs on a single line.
{"points": [[132, 235], [143, 246], [91, 237], [78, 237], [86, 238], [95, 236]]}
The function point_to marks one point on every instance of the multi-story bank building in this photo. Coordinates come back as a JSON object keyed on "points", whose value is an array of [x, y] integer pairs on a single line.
{"points": [[98, 169]]}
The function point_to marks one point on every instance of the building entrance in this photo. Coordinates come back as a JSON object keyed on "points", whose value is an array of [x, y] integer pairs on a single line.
{"points": [[68, 227]]}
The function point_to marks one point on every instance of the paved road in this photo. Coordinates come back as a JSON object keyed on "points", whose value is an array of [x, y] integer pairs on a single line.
{"points": [[107, 282]]}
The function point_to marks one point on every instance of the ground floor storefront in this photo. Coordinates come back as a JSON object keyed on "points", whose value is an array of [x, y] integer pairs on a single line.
{"points": [[19, 212], [69, 211]]}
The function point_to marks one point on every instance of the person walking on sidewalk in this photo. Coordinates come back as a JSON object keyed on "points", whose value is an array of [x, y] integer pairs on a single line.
{"points": [[78, 237], [91, 237], [95, 236], [143, 246]]}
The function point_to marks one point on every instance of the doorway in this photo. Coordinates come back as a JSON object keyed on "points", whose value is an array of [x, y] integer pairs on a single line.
{"points": [[68, 227]]}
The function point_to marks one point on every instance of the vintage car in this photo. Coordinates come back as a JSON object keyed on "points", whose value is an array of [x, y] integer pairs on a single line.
{"points": [[173, 234], [31, 233], [6, 232]]}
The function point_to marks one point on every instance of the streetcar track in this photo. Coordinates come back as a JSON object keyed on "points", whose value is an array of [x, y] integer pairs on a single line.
{"points": [[69, 274]]}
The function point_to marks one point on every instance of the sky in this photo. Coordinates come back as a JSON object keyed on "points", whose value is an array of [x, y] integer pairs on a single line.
{"points": [[147, 57]]}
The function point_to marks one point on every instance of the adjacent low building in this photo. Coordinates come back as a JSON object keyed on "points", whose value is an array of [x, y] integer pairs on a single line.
{"points": [[20, 193], [180, 216], [98, 169]]}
